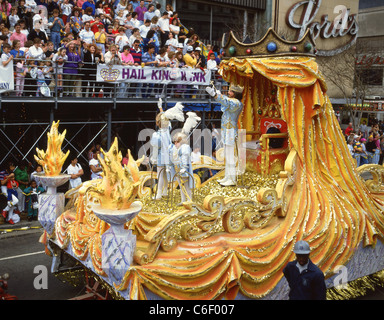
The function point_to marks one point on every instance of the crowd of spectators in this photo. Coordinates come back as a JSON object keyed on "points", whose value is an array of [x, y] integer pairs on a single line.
{"points": [[58, 43], [366, 143]]}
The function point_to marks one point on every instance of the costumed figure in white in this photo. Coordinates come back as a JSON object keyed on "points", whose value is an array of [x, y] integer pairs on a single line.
{"points": [[160, 141], [173, 161], [182, 157], [231, 106]]}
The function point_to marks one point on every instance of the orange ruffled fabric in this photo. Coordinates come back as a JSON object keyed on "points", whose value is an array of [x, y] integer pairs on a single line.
{"points": [[328, 206]]}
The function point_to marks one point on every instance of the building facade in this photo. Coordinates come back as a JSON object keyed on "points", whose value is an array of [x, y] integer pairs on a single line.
{"points": [[370, 48], [334, 27], [210, 19]]}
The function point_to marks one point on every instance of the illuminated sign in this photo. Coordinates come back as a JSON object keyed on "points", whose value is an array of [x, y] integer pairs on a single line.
{"points": [[344, 24], [368, 61]]}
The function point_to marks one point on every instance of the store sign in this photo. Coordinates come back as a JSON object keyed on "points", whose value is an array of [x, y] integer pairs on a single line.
{"points": [[344, 24], [368, 61]]}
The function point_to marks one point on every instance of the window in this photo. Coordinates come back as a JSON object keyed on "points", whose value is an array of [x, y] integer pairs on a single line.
{"points": [[371, 77]]}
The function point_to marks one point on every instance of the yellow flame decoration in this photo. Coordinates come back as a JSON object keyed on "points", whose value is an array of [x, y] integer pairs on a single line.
{"points": [[120, 184], [53, 159]]}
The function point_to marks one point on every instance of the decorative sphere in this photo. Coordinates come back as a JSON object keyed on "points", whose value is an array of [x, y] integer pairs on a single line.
{"points": [[232, 50], [259, 111], [293, 48], [308, 47], [249, 51], [271, 47]]}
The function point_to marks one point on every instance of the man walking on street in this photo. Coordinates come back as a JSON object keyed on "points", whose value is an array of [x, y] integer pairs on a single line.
{"points": [[305, 279]]}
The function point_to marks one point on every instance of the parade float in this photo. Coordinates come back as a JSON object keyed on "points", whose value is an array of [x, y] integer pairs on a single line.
{"points": [[233, 242]]}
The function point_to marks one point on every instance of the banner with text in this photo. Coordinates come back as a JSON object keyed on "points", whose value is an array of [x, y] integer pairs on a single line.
{"points": [[6, 78], [117, 73]]}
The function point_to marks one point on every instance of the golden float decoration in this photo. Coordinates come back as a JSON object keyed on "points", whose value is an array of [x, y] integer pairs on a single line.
{"points": [[237, 240], [53, 158], [119, 186]]}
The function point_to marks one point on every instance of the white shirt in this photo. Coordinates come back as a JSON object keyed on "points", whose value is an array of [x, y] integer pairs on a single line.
{"points": [[36, 21], [135, 23], [159, 58], [120, 7], [73, 183], [121, 41], [66, 9], [95, 163], [57, 57], [87, 36], [108, 59], [86, 17], [13, 20], [211, 64], [37, 178], [195, 157], [173, 44], [129, 26], [30, 4], [215, 134], [5, 56], [175, 29], [163, 24], [350, 148], [131, 40], [35, 53], [144, 30], [25, 31], [121, 20]]}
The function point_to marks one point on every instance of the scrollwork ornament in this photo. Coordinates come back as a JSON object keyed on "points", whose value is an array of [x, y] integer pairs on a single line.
{"points": [[232, 223], [168, 241]]}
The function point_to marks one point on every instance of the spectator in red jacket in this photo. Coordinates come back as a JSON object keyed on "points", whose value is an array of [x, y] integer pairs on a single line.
{"points": [[349, 130]]}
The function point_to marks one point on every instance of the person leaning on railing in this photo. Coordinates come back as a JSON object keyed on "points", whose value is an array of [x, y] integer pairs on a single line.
{"points": [[16, 51], [112, 57], [59, 58], [71, 70], [92, 57], [35, 51]]}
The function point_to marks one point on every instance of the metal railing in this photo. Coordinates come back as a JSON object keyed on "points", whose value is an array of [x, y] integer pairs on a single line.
{"points": [[83, 87]]}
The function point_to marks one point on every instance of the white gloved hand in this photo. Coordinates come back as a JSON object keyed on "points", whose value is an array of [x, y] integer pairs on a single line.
{"points": [[211, 91], [160, 103], [182, 171]]}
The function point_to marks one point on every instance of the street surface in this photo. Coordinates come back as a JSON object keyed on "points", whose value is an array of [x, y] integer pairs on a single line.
{"points": [[23, 257]]}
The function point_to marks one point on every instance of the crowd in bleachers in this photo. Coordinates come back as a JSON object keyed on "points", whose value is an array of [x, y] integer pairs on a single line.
{"points": [[58, 43], [366, 143]]}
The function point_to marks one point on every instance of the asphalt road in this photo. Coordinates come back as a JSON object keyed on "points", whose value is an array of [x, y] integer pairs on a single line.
{"points": [[23, 257]]}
